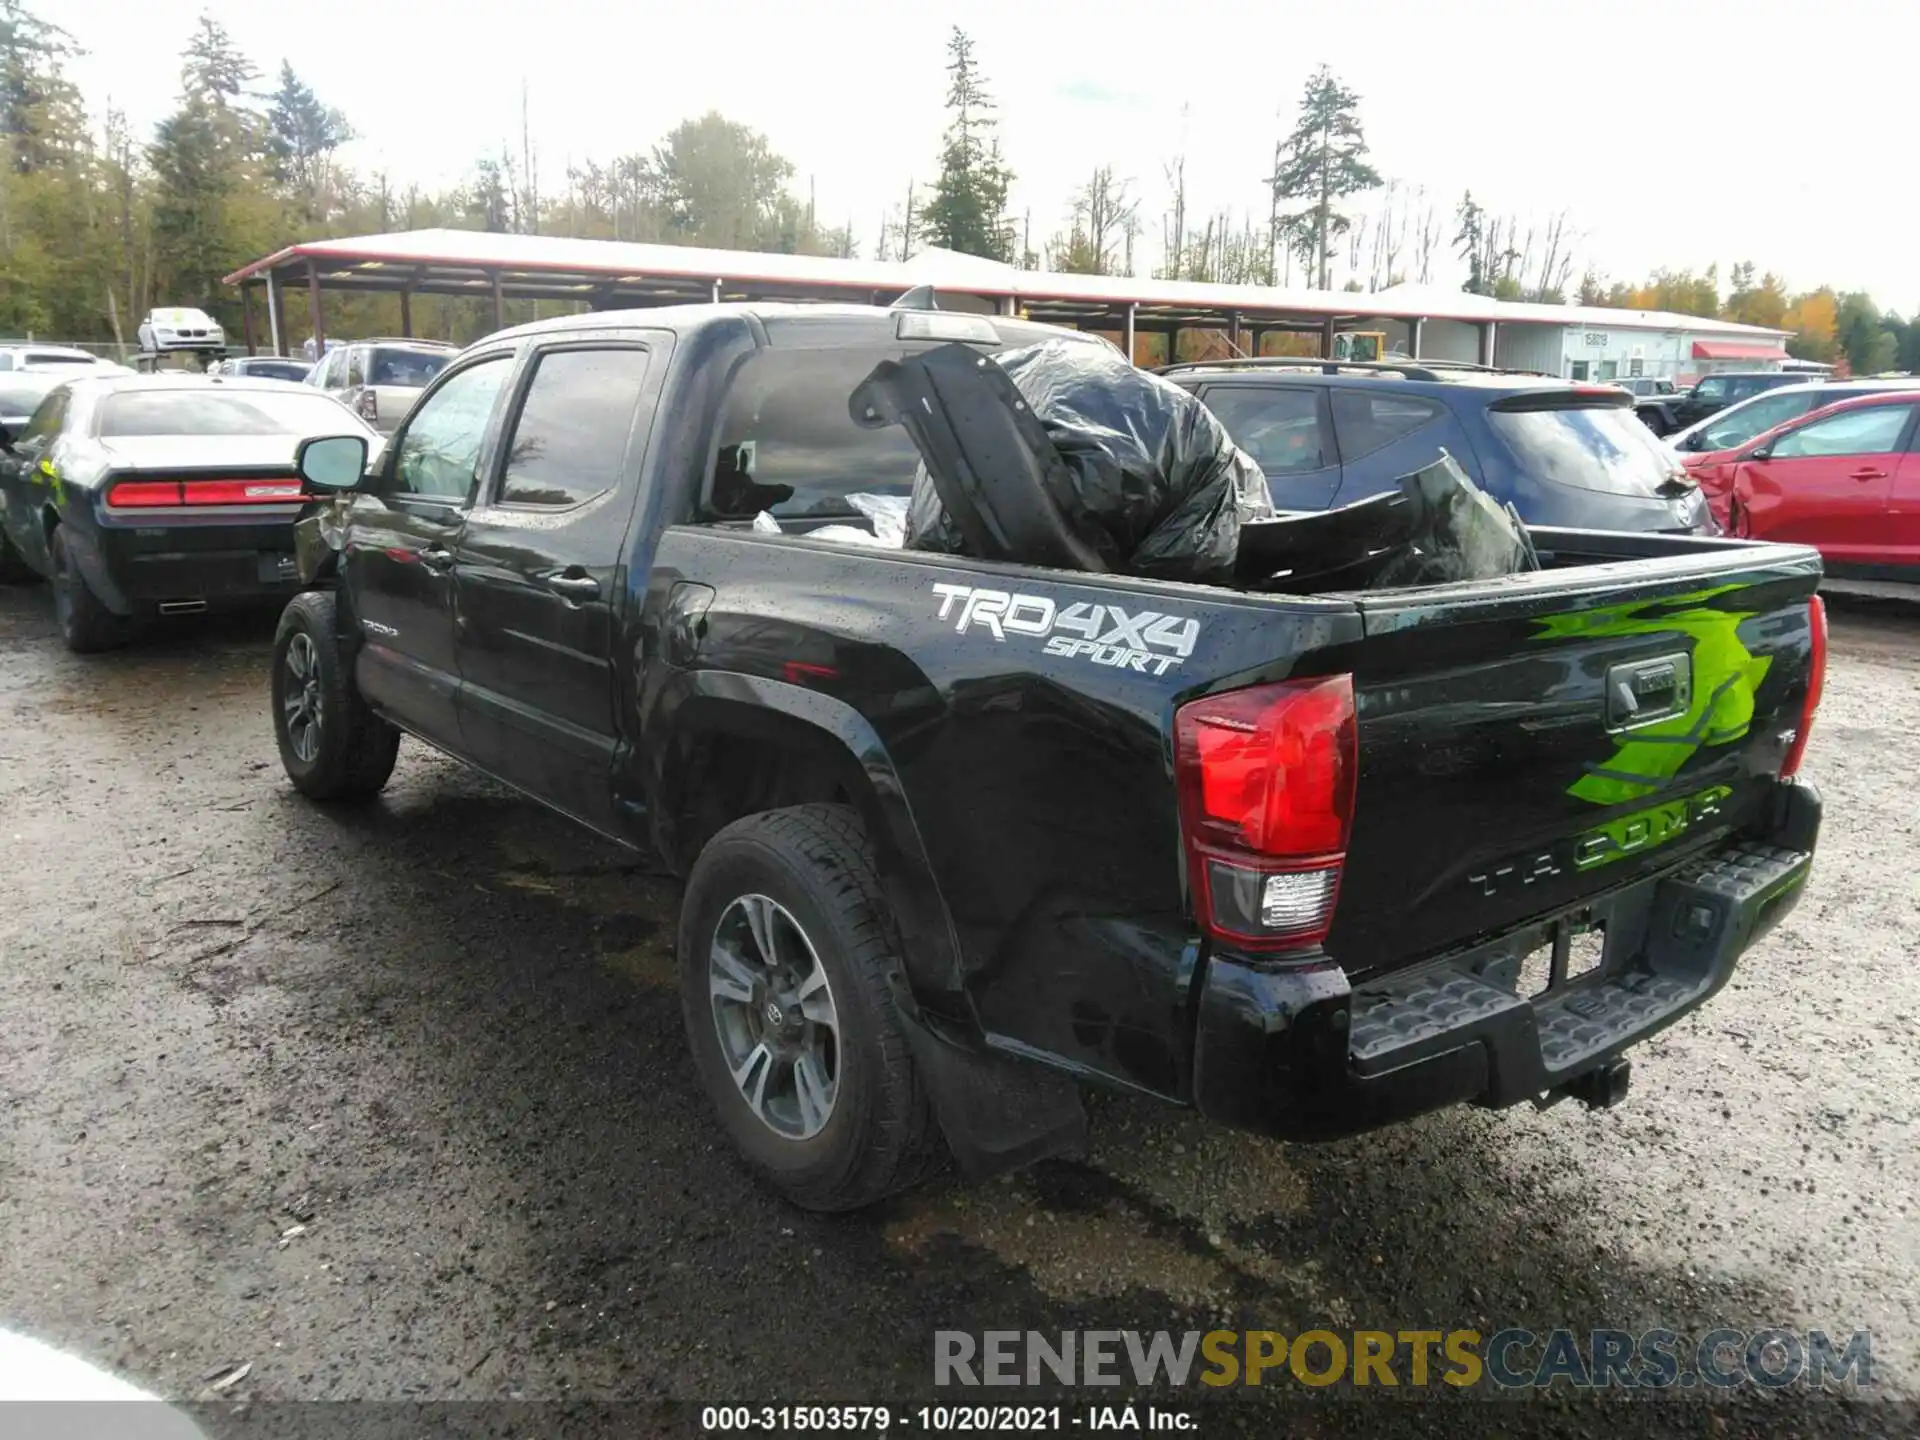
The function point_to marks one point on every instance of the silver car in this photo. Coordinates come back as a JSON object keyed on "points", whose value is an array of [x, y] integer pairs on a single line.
{"points": [[380, 379]]}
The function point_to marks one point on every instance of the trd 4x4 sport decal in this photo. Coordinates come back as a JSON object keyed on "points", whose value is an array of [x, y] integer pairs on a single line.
{"points": [[1142, 640], [1725, 677]]}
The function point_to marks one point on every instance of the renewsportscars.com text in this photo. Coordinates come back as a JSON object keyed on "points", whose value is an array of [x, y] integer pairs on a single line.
{"points": [[1506, 1359]]}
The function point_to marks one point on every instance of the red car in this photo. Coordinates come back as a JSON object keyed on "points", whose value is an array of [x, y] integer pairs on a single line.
{"points": [[1845, 479]]}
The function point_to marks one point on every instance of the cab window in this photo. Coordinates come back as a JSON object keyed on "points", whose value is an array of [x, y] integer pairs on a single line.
{"points": [[438, 455]]}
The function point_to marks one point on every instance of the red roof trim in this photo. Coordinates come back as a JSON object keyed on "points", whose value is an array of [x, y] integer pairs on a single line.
{"points": [[1736, 350]]}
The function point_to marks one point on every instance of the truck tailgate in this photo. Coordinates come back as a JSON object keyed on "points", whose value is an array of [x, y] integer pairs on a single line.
{"points": [[1530, 743]]}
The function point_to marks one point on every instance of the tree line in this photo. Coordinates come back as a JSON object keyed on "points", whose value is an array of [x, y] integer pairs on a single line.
{"points": [[97, 224]]}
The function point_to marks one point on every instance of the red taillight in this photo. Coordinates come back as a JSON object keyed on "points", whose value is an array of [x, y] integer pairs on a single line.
{"points": [[1816, 682], [1266, 780], [242, 492], [369, 406], [147, 494], [143, 494]]}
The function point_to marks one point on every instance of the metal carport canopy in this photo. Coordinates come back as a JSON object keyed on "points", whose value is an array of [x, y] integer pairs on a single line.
{"points": [[611, 273]]}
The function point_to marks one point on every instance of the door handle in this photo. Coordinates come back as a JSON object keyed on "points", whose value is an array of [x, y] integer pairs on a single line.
{"points": [[1869, 473], [437, 557], [574, 587]]}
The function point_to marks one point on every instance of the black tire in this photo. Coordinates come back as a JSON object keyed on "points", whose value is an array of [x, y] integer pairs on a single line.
{"points": [[14, 569], [879, 1136], [86, 625], [350, 752]]}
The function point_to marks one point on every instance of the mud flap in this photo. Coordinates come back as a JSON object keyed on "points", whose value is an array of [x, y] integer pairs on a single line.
{"points": [[998, 1113]]}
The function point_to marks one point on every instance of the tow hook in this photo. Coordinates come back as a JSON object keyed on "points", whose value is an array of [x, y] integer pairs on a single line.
{"points": [[1601, 1088]]}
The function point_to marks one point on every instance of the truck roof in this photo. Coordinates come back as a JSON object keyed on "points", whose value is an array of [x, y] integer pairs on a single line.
{"points": [[859, 324]]}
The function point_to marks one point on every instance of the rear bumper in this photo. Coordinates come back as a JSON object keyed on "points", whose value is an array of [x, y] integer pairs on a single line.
{"points": [[207, 563], [1298, 1053]]}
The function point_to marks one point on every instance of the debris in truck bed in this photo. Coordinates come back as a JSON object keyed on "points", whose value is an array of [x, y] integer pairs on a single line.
{"points": [[1142, 476], [1436, 528]]}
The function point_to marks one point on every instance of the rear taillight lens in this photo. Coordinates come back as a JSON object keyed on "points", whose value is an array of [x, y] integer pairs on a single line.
{"points": [[146, 494], [242, 492], [1266, 778], [143, 494], [1816, 682], [368, 405]]}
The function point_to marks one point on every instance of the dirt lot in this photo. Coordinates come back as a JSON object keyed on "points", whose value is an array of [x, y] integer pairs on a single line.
{"points": [[440, 1034]]}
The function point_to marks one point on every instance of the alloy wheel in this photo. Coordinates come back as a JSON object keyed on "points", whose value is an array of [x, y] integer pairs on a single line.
{"points": [[774, 1014]]}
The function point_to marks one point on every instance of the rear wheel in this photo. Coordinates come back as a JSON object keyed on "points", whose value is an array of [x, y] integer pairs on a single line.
{"points": [[86, 625], [786, 947], [332, 745]]}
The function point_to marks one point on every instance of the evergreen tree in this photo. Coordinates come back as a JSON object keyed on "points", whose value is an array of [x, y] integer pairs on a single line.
{"points": [[1321, 162], [1469, 242], [302, 135], [212, 208], [968, 207]]}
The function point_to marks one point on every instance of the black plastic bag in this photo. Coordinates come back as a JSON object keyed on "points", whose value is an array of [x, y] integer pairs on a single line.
{"points": [[1157, 487]]}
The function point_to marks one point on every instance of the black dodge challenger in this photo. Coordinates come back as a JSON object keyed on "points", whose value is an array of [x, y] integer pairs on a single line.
{"points": [[145, 495]]}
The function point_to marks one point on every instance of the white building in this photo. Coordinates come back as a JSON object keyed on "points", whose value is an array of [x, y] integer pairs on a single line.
{"points": [[1575, 341]]}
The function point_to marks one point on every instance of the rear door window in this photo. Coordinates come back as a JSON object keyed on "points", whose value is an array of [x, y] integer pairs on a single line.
{"points": [[1280, 426], [788, 445], [1590, 447], [1365, 422], [356, 367], [570, 438]]}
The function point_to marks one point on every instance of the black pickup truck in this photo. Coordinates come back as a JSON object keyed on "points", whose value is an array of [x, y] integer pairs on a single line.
{"points": [[960, 836]]}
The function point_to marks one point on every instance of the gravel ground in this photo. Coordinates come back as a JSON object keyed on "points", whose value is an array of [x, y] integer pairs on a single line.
{"points": [[391, 1103]]}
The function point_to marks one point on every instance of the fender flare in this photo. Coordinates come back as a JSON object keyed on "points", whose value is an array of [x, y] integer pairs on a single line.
{"points": [[702, 701]]}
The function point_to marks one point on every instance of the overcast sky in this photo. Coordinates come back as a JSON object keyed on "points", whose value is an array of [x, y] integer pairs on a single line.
{"points": [[1679, 133]]}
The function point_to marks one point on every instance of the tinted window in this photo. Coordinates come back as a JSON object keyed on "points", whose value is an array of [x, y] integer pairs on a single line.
{"points": [[218, 412], [1592, 448], [413, 368], [787, 443], [274, 369], [41, 357], [1756, 417], [1367, 422], [1713, 388], [1873, 431], [1279, 426], [440, 449], [47, 416], [571, 436]]}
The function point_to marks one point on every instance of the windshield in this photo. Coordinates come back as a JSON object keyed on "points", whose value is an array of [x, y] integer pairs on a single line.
{"points": [[277, 369], [1586, 446], [214, 412], [406, 367], [44, 357], [1753, 417]]}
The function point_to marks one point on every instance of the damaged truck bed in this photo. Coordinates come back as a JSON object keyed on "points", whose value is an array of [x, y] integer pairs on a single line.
{"points": [[963, 832]]}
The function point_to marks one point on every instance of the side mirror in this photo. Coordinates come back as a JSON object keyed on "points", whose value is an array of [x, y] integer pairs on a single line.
{"points": [[332, 462], [1759, 452]]}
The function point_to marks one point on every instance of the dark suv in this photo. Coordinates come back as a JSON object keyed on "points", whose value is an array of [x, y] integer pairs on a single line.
{"points": [[1666, 414], [1329, 434]]}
